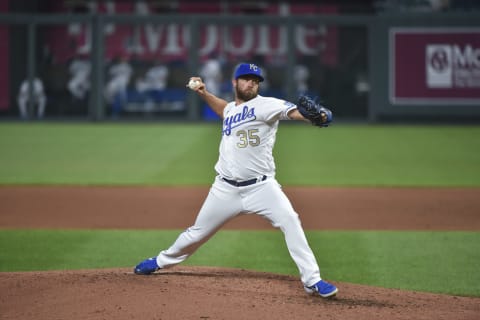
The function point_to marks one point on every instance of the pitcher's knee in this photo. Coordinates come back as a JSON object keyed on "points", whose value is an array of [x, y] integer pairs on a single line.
{"points": [[288, 218]]}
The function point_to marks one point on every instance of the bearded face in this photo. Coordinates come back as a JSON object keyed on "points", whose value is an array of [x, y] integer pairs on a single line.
{"points": [[247, 88]]}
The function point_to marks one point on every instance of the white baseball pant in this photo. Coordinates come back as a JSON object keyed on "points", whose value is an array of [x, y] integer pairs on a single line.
{"points": [[224, 202]]}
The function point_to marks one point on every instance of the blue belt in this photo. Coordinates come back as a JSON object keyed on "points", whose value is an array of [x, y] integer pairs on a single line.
{"points": [[244, 183]]}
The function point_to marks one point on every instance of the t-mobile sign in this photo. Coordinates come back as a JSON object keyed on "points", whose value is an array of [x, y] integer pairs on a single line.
{"points": [[435, 66]]}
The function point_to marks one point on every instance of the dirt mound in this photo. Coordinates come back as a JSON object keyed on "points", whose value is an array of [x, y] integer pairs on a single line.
{"points": [[209, 293], [213, 293]]}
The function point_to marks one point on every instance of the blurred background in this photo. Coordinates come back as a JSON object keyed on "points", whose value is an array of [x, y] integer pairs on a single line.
{"points": [[369, 61]]}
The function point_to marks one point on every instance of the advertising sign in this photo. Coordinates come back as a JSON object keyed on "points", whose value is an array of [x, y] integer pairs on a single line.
{"points": [[434, 66], [171, 41]]}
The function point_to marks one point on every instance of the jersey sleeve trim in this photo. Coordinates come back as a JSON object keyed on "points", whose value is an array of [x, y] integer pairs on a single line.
{"points": [[285, 113]]}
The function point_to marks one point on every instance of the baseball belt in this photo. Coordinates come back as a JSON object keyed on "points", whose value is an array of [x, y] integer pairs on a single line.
{"points": [[244, 183]]}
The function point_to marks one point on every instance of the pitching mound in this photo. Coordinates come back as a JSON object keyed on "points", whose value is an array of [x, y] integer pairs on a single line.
{"points": [[209, 293], [213, 293]]}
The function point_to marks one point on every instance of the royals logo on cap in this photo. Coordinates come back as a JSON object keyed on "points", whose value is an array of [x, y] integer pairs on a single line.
{"points": [[245, 69]]}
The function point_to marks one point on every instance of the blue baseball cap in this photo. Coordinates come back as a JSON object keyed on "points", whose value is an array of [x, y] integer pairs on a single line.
{"points": [[244, 69]]}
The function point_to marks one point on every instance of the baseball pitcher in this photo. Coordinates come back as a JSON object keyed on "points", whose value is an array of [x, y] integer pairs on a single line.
{"points": [[245, 181]]}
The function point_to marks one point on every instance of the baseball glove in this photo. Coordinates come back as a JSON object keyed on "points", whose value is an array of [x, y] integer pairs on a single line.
{"points": [[313, 111]]}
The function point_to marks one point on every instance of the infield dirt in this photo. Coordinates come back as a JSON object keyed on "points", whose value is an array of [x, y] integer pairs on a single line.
{"points": [[215, 293]]}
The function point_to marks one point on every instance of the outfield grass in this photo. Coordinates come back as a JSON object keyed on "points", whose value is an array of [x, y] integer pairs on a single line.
{"points": [[107, 154], [359, 155], [184, 154], [423, 261]]}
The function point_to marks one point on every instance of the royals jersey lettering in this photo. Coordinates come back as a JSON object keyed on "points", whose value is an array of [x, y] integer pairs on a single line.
{"points": [[248, 137]]}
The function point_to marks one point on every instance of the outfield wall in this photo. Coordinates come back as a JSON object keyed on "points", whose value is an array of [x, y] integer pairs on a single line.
{"points": [[365, 67]]}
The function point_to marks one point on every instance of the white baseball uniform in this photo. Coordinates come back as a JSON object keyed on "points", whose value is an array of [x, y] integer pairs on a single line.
{"points": [[120, 74], [246, 184], [39, 97], [79, 83]]}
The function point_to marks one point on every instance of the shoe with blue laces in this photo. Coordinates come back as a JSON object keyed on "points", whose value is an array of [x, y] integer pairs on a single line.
{"points": [[323, 289], [147, 266]]}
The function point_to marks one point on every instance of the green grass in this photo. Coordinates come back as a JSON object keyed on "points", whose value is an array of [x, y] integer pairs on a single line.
{"points": [[107, 154], [184, 154], [424, 261], [359, 155]]}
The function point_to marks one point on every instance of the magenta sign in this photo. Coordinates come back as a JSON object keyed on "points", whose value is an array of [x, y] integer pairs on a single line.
{"points": [[432, 66]]}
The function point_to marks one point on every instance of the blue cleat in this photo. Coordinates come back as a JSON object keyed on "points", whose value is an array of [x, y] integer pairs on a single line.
{"points": [[147, 266], [323, 289]]}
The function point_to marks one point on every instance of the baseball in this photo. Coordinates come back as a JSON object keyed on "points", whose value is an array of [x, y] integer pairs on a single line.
{"points": [[193, 84]]}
